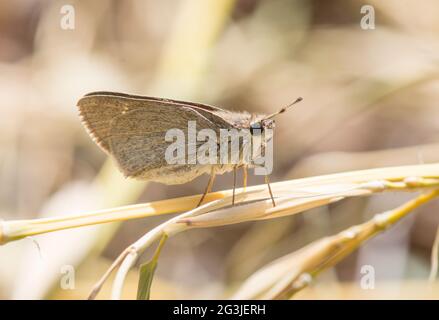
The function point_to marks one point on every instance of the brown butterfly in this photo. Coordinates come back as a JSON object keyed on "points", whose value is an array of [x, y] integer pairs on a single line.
{"points": [[132, 130]]}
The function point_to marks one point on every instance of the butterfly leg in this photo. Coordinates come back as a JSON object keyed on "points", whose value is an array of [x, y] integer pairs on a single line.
{"points": [[245, 173], [208, 187], [269, 189]]}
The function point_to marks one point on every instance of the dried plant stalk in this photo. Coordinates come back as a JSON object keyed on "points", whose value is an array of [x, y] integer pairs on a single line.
{"points": [[288, 275], [434, 258], [220, 212], [292, 196]]}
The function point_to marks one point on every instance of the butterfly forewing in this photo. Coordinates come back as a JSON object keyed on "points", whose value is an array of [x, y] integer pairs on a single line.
{"points": [[132, 129], [137, 138]]}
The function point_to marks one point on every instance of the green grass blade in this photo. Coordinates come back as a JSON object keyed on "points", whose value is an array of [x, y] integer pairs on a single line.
{"points": [[147, 273]]}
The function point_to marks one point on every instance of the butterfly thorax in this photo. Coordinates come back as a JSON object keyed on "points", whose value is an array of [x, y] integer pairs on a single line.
{"points": [[260, 133]]}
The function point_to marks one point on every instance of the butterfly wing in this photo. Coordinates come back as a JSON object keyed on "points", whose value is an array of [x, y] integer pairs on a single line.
{"points": [[98, 109], [132, 129]]}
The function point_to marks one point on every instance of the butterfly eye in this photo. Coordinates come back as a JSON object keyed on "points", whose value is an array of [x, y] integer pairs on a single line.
{"points": [[256, 128]]}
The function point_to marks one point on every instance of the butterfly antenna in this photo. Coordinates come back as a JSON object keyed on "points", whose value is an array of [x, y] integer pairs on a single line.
{"points": [[284, 109]]}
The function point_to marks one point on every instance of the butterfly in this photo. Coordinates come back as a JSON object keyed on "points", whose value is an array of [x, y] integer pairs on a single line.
{"points": [[132, 129]]}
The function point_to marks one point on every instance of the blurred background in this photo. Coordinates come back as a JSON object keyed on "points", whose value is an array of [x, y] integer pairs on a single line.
{"points": [[370, 100]]}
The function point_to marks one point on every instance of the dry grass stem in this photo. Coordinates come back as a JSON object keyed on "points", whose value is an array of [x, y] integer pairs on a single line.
{"points": [[434, 258], [220, 212], [292, 196], [288, 275]]}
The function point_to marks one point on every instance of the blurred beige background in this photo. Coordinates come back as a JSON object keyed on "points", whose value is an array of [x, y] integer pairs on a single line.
{"points": [[370, 100]]}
